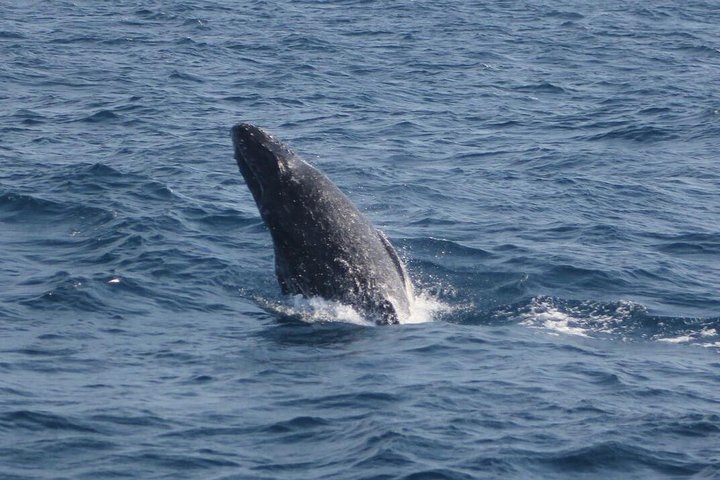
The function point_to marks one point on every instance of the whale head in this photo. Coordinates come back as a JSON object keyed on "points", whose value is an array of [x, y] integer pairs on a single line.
{"points": [[263, 160]]}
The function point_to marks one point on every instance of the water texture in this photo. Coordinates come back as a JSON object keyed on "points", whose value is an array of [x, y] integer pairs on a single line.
{"points": [[549, 171]]}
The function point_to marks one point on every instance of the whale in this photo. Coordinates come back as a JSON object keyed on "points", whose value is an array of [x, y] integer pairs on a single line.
{"points": [[323, 245]]}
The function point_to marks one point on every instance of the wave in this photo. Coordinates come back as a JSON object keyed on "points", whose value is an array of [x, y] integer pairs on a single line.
{"points": [[610, 456], [102, 116], [636, 133], [32, 420], [26, 208], [544, 87], [621, 320], [178, 75], [7, 35]]}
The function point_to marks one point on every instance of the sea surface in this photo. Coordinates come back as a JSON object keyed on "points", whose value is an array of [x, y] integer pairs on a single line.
{"points": [[549, 170]]}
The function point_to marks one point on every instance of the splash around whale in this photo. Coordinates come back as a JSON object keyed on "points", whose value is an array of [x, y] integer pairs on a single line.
{"points": [[324, 246]]}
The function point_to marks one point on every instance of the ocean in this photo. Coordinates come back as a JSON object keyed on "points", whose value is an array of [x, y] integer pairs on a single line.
{"points": [[548, 171]]}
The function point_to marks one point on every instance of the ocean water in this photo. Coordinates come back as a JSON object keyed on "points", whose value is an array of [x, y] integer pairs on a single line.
{"points": [[548, 170]]}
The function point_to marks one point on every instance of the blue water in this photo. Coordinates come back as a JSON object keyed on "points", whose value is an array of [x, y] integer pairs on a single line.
{"points": [[549, 171]]}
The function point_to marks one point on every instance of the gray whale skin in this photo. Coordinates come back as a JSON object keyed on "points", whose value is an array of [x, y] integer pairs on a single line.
{"points": [[324, 246]]}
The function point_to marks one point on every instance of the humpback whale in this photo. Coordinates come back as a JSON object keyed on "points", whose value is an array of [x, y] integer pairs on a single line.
{"points": [[324, 247]]}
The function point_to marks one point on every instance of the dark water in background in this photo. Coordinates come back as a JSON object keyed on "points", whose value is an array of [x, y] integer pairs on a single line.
{"points": [[549, 171]]}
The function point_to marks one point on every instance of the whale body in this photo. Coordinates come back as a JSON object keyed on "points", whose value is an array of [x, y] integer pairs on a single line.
{"points": [[324, 246]]}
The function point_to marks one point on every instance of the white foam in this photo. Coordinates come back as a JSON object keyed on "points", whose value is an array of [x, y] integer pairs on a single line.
{"points": [[680, 339], [589, 318], [423, 308], [581, 320], [708, 332], [316, 310], [695, 337], [544, 314]]}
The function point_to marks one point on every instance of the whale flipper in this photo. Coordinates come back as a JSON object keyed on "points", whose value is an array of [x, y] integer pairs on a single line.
{"points": [[399, 265]]}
